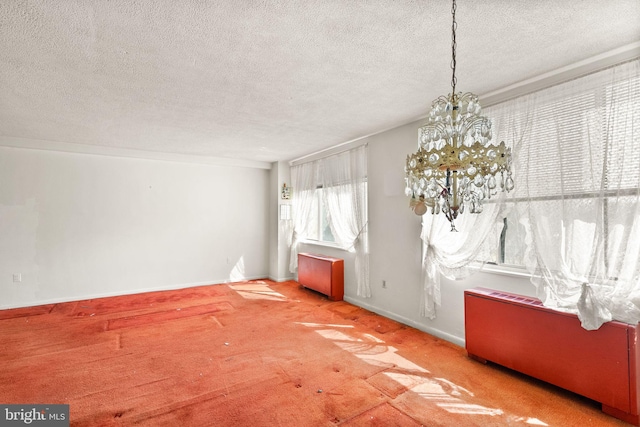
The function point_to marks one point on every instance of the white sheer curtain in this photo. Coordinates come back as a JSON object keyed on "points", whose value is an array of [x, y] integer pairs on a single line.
{"points": [[304, 180], [577, 196], [456, 255], [344, 179]]}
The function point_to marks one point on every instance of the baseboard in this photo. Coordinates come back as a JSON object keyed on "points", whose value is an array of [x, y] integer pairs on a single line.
{"points": [[124, 292], [431, 331], [281, 279]]}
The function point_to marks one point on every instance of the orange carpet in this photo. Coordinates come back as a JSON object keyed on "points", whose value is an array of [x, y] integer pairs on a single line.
{"points": [[259, 354]]}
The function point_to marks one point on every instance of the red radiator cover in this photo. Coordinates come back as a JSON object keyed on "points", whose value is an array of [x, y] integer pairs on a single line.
{"points": [[323, 274], [520, 333]]}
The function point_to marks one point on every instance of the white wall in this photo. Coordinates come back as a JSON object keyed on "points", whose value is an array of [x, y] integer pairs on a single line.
{"points": [[280, 228], [396, 246], [78, 226]]}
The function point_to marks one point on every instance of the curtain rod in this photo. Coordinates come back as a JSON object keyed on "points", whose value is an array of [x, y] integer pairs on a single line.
{"points": [[331, 151]]}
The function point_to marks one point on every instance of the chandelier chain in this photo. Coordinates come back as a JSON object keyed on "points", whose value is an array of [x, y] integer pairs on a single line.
{"points": [[454, 25]]}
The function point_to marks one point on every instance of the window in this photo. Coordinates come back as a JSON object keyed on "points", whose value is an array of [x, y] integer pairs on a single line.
{"points": [[331, 207], [574, 216], [578, 178], [319, 226]]}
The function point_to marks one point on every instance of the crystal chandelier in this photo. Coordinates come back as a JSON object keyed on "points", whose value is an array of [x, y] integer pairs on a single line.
{"points": [[456, 166]]}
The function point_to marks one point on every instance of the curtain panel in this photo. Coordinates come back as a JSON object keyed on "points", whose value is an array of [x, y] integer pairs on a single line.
{"points": [[456, 255], [343, 179], [304, 179], [579, 197]]}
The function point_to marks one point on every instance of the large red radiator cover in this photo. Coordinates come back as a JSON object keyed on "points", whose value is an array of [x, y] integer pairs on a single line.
{"points": [[323, 274], [520, 333]]}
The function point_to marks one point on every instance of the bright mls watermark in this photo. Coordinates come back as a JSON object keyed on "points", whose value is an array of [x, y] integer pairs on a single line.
{"points": [[34, 415]]}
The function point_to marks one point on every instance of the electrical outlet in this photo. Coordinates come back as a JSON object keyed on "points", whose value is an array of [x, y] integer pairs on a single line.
{"points": [[17, 277], [384, 284]]}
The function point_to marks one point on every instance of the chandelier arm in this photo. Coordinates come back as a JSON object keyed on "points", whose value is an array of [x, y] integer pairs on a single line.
{"points": [[440, 100], [440, 127], [467, 124]]}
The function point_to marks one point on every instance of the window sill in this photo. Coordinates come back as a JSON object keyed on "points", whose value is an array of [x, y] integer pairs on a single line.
{"points": [[322, 244], [505, 270]]}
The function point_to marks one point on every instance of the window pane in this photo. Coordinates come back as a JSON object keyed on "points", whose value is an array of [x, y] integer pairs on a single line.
{"points": [[326, 234], [623, 151], [314, 218], [513, 241], [623, 238]]}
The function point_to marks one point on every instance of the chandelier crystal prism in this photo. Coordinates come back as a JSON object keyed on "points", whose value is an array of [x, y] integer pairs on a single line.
{"points": [[457, 166]]}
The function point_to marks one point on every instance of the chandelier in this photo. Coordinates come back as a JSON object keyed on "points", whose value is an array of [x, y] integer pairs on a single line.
{"points": [[457, 166]]}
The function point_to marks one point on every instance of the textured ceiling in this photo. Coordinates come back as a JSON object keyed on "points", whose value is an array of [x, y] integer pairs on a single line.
{"points": [[271, 80]]}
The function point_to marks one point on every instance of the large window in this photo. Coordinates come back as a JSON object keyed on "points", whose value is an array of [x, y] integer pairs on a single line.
{"points": [[578, 178], [574, 217]]}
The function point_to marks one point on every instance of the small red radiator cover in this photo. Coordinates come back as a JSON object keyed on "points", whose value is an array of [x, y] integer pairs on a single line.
{"points": [[520, 333], [322, 274]]}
